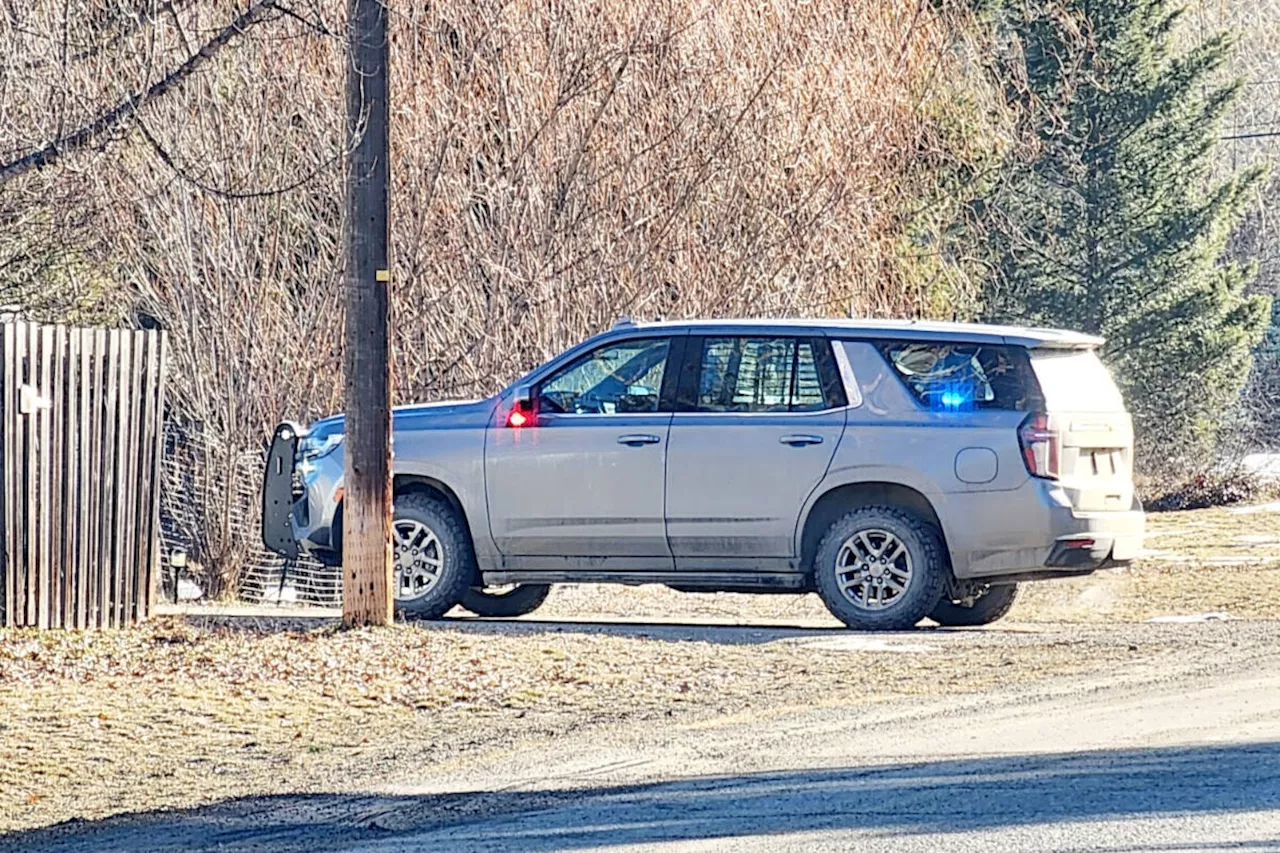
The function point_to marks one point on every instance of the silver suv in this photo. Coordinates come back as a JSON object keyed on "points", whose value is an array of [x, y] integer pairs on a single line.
{"points": [[900, 470]]}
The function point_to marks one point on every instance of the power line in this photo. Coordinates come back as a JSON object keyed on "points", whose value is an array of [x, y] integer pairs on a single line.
{"points": [[1267, 135]]}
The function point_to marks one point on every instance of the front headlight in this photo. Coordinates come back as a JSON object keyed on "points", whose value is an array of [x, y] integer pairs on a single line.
{"points": [[318, 446]]}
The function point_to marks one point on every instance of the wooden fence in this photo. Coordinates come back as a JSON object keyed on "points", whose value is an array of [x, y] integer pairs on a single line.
{"points": [[81, 412]]}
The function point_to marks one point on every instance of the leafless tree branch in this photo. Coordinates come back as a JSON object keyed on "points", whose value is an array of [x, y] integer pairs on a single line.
{"points": [[114, 117]]}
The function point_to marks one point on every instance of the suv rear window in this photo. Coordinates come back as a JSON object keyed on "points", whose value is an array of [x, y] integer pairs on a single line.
{"points": [[1076, 381], [964, 377]]}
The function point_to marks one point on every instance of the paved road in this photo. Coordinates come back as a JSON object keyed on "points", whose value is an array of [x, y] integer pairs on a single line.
{"points": [[1190, 765]]}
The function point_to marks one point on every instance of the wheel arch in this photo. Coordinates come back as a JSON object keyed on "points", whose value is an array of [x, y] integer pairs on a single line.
{"points": [[408, 484], [840, 499], [421, 484]]}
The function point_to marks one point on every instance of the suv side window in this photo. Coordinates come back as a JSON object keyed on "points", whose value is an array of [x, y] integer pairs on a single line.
{"points": [[963, 377], [617, 378], [763, 374]]}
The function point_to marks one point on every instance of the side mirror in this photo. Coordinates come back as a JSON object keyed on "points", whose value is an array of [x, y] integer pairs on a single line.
{"points": [[523, 412]]}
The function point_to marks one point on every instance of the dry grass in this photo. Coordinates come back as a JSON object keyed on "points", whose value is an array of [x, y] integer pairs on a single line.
{"points": [[181, 713], [173, 715]]}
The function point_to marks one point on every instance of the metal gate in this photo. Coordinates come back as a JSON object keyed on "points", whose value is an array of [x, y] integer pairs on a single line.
{"points": [[81, 412]]}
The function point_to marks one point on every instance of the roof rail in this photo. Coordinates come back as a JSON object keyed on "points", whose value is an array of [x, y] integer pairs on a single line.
{"points": [[623, 322]]}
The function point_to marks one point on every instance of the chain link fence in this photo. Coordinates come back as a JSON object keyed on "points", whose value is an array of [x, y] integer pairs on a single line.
{"points": [[211, 546]]}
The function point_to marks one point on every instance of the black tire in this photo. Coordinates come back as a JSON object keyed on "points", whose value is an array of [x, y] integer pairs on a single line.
{"points": [[458, 560], [923, 546], [990, 606], [525, 598]]}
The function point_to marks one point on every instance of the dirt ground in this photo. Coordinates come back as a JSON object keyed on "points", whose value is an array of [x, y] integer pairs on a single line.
{"points": [[192, 710]]}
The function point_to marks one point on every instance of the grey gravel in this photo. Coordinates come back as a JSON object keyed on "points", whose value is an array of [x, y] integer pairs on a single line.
{"points": [[1178, 753]]}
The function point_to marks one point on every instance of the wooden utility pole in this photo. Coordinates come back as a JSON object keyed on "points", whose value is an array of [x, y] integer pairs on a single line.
{"points": [[366, 504]]}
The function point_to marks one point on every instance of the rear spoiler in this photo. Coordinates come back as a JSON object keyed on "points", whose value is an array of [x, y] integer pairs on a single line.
{"points": [[1052, 339]]}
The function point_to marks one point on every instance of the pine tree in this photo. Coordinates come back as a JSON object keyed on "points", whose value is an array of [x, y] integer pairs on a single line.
{"points": [[1114, 224]]}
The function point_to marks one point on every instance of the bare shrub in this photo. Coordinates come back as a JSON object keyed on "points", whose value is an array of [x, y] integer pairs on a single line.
{"points": [[556, 166]]}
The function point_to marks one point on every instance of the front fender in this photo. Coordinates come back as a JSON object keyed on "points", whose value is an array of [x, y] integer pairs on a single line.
{"points": [[453, 459]]}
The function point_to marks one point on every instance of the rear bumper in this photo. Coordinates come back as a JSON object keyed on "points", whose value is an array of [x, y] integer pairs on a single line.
{"points": [[1034, 531], [1096, 540]]}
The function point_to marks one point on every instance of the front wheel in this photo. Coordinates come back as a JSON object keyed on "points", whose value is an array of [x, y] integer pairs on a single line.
{"points": [[992, 604], [524, 598], [880, 568], [432, 556]]}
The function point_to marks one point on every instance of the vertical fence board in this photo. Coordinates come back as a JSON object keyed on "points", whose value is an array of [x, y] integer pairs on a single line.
{"points": [[106, 505], [17, 463], [97, 404], [45, 477], [31, 375], [52, 499], [81, 560], [130, 377], [160, 344], [80, 446], [144, 353], [8, 451]]}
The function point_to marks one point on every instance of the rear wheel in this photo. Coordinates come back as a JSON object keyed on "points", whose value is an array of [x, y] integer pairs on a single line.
{"points": [[992, 604], [880, 568], [517, 601], [432, 556]]}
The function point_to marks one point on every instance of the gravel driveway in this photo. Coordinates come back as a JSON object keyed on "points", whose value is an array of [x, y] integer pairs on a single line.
{"points": [[269, 731], [1161, 754]]}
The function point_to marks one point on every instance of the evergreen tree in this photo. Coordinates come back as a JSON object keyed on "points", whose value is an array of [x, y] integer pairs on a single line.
{"points": [[1113, 222]]}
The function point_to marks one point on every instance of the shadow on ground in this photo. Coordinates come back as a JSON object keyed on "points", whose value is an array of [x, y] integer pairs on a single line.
{"points": [[889, 801], [707, 632], [703, 632]]}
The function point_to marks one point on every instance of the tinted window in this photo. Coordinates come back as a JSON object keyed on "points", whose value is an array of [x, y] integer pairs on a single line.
{"points": [[761, 374], [963, 377], [615, 379]]}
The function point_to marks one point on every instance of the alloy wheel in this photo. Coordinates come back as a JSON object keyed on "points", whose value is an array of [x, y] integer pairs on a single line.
{"points": [[418, 559], [873, 569]]}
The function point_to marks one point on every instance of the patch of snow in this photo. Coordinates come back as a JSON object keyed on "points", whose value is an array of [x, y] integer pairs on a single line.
{"points": [[868, 644], [274, 594], [1249, 510], [1194, 617], [1257, 538], [189, 590], [1172, 531], [1262, 464]]}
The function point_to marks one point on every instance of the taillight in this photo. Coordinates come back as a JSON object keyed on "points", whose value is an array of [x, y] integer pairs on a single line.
{"points": [[1041, 446]]}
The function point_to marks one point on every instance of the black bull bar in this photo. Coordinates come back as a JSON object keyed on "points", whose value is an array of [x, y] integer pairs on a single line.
{"points": [[277, 491]]}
